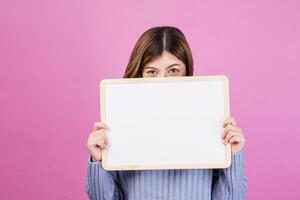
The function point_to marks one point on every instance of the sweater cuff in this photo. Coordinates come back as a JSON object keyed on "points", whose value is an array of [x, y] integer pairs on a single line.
{"points": [[100, 181], [91, 162], [240, 153], [237, 161]]}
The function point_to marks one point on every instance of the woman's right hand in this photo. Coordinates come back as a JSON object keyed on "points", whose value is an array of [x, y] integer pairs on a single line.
{"points": [[97, 141]]}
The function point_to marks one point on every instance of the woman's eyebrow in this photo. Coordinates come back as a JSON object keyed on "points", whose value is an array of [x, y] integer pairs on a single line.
{"points": [[150, 67], [167, 67], [173, 65]]}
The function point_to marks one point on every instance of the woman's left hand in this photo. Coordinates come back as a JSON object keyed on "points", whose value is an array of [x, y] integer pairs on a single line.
{"points": [[233, 134]]}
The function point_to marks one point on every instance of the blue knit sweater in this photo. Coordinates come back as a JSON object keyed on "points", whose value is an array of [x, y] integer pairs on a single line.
{"points": [[178, 184]]}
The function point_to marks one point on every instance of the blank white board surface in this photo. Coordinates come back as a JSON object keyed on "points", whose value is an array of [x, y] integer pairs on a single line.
{"points": [[165, 123]]}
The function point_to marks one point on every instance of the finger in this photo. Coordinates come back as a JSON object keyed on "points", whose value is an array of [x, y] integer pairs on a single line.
{"points": [[229, 120], [235, 139], [101, 144], [230, 128], [229, 135], [97, 137], [100, 132], [95, 142], [107, 142], [100, 125]]}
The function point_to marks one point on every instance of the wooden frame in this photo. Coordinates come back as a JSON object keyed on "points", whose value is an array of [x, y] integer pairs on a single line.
{"points": [[227, 149]]}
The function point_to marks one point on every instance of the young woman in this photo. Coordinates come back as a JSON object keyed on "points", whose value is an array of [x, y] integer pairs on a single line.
{"points": [[162, 52]]}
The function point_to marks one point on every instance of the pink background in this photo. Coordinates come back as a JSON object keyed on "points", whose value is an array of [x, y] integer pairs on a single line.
{"points": [[54, 53]]}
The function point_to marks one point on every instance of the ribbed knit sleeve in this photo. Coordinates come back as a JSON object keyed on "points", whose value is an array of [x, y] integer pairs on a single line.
{"points": [[101, 184], [230, 183]]}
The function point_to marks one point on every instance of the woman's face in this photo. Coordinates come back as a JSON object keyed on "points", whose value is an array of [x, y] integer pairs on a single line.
{"points": [[164, 66]]}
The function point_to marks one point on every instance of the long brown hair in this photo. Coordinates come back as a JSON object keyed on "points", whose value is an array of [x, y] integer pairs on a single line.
{"points": [[151, 45]]}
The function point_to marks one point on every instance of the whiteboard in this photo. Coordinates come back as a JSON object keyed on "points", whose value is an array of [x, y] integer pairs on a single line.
{"points": [[165, 123]]}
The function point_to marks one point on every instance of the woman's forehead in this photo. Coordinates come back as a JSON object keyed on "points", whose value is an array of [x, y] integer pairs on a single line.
{"points": [[165, 60]]}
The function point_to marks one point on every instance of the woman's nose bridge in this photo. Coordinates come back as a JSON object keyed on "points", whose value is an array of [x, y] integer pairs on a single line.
{"points": [[163, 74]]}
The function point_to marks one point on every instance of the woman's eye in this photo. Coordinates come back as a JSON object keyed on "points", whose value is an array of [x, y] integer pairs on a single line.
{"points": [[174, 70], [151, 72]]}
